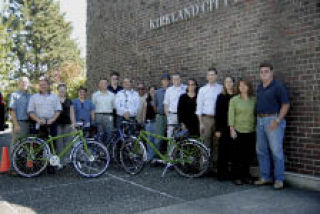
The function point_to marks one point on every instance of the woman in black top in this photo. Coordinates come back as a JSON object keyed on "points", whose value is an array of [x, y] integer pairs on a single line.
{"points": [[66, 119], [149, 118], [187, 107], [223, 130]]}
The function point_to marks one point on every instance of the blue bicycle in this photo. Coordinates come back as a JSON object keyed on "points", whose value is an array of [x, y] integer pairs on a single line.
{"points": [[120, 137]]}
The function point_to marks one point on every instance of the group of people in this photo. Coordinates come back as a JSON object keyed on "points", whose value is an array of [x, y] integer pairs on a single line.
{"points": [[232, 122]]}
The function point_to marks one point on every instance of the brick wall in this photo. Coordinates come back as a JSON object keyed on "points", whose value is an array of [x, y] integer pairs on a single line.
{"points": [[233, 38]]}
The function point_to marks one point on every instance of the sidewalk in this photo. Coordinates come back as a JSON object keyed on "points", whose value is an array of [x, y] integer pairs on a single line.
{"points": [[263, 200]]}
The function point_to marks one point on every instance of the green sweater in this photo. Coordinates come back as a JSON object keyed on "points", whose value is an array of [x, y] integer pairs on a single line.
{"points": [[242, 114]]}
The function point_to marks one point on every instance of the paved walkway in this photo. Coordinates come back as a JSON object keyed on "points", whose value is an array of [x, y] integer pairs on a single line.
{"points": [[118, 192]]}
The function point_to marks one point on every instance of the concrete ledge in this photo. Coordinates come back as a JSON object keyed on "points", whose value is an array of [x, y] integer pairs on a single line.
{"points": [[302, 181]]}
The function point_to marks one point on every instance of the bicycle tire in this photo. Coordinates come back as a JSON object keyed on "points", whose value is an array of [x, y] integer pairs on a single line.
{"points": [[192, 158], [81, 161], [20, 159], [132, 155]]}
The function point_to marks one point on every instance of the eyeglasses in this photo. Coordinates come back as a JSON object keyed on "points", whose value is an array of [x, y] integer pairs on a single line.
{"points": [[192, 84], [142, 89]]}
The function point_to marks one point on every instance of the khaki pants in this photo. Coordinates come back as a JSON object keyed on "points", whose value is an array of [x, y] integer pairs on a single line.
{"points": [[209, 139], [172, 120], [63, 142], [24, 131]]}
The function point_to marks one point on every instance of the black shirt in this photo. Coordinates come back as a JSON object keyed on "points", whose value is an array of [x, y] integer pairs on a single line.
{"points": [[150, 113], [64, 117], [111, 89], [186, 113], [222, 108]]}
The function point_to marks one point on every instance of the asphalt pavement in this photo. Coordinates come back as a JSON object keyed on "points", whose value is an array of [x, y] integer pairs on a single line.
{"points": [[147, 192]]}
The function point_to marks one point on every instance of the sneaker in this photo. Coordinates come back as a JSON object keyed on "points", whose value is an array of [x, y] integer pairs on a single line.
{"points": [[262, 181], [278, 185]]}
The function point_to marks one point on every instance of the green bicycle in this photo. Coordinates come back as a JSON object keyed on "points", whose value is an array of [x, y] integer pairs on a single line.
{"points": [[189, 157], [33, 154]]}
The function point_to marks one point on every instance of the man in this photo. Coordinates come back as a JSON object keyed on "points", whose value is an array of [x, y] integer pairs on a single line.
{"points": [[171, 99], [161, 120], [44, 108], [104, 104], [18, 107], [114, 86], [142, 95], [127, 102], [206, 105], [272, 107], [83, 108]]}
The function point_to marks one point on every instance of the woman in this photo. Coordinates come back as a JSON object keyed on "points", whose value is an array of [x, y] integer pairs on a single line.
{"points": [[66, 120], [223, 130], [149, 118], [186, 109], [242, 130]]}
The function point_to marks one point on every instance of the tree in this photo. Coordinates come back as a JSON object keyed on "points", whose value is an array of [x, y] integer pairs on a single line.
{"points": [[41, 37], [6, 43]]}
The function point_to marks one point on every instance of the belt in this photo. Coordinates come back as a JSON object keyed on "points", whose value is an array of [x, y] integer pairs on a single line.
{"points": [[161, 114], [105, 113], [207, 115], [172, 112], [132, 118], [267, 115]]}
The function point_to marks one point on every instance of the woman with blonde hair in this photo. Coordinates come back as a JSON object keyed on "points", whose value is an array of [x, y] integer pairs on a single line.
{"points": [[223, 130]]}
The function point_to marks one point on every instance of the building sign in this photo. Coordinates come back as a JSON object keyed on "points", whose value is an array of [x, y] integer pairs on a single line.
{"points": [[186, 13]]}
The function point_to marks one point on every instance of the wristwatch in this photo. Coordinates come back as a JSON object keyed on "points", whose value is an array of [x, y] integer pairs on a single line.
{"points": [[278, 120]]}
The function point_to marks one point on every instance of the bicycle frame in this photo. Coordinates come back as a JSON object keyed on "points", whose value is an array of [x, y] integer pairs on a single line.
{"points": [[171, 145], [78, 135]]}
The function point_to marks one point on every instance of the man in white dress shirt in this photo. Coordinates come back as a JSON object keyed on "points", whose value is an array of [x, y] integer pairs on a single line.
{"points": [[206, 104], [127, 102], [171, 99], [104, 104]]}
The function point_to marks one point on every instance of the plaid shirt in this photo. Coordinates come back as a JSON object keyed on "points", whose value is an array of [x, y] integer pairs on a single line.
{"points": [[44, 106]]}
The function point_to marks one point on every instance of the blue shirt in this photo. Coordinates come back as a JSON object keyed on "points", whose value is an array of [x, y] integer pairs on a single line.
{"points": [[19, 102], [83, 110], [270, 98], [158, 100]]}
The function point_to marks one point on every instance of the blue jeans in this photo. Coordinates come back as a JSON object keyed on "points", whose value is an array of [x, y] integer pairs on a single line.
{"points": [[104, 124], [150, 127], [270, 149]]}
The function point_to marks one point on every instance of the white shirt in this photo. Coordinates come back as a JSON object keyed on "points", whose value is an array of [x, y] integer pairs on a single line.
{"points": [[104, 102], [207, 98], [172, 95], [127, 101]]}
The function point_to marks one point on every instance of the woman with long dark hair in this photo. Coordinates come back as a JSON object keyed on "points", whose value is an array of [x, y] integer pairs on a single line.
{"points": [[149, 118], [187, 107]]}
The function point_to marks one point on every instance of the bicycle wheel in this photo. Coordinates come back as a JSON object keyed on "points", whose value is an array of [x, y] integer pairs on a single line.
{"points": [[191, 157], [93, 165], [30, 157], [132, 155]]}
